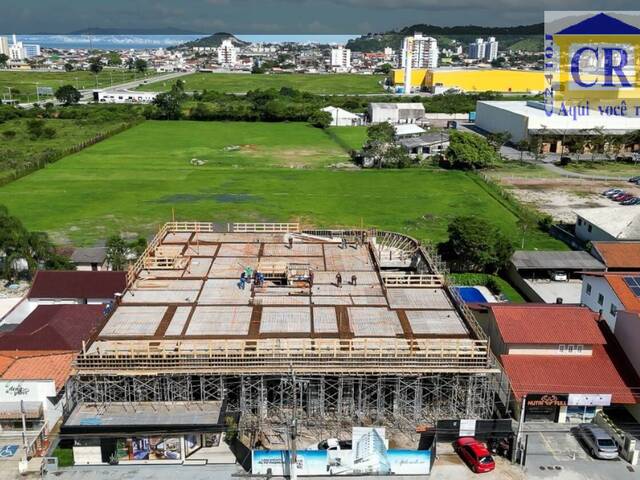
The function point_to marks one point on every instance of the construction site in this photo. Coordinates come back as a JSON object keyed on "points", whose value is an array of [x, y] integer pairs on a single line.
{"points": [[271, 322]]}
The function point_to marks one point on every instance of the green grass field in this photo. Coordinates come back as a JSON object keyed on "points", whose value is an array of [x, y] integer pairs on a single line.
{"points": [[243, 82], [349, 138], [23, 83], [131, 182], [20, 151]]}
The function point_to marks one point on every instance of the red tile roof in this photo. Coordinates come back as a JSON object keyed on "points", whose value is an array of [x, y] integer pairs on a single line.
{"points": [[566, 374], [77, 284], [54, 327], [616, 280], [619, 254], [5, 362], [45, 367], [544, 324]]}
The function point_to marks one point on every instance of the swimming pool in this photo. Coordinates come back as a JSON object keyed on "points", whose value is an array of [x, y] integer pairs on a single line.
{"points": [[471, 294]]}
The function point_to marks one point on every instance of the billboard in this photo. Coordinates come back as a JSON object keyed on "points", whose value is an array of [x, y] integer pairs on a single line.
{"points": [[369, 456]]}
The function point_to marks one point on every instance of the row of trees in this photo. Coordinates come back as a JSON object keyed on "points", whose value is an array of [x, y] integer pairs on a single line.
{"points": [[23, 251]]}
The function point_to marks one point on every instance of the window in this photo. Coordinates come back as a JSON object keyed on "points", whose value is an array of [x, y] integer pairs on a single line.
{"points": [[613, 309], [579, 348], [570, 348], [579, 221], [561, 348], [600, 299], [589, 228], [588, 289]]}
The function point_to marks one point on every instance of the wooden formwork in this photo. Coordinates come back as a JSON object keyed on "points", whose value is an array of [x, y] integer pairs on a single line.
{"points": [[412, 280], [265, 227]]}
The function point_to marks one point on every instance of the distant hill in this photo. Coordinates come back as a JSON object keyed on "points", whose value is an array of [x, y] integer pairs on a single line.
{"points": [[214, 41], [522, 37], [133, 31]]}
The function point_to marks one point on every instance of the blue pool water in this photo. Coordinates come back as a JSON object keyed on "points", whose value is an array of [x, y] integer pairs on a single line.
{"points": [[471, 294]]}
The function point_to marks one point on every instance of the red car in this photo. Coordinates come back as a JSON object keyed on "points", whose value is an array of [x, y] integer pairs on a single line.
{"points": [[474, 454]]}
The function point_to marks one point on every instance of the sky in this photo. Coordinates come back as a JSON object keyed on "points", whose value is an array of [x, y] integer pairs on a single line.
{"points": [[279, 16]]}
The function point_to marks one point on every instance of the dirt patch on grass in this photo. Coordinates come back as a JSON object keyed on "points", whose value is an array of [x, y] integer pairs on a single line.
{"points": [[560, 197]]}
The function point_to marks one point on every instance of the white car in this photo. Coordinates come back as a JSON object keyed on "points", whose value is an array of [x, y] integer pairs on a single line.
{"points": [[559, 276]]}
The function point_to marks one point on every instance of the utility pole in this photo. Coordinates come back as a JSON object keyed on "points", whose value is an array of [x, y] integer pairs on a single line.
{"points": [[293, 431], [516, 446], [37, 92]]}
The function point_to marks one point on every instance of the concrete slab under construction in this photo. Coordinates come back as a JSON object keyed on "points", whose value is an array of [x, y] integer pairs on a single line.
{"points": [[396, 345]]}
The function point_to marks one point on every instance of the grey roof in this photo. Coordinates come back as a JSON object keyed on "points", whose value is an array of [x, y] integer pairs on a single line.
{"points": [[146, 414], [89, 255], [424, 140], [397, 105], [534, 260]]}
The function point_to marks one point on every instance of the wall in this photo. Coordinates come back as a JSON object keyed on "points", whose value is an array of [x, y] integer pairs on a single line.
{"points": [[418, 76], [596, 234], [32, 391], [627, 331], [600, 286], [524, 349], [495, 80], [494, 119]]}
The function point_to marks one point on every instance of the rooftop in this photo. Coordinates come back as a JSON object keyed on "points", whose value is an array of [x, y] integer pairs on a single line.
{"points": [[77, 284], [562, 374], [397, 105], [622, 283], [619, 255], [549, 260], [56, 367], [60, 327], [620, 222], [186, 297], [546, 324], [89, 255]]}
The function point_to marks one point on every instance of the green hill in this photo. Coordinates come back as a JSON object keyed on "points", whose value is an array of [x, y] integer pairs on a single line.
{"points": [[524, 37], [214, 41]]}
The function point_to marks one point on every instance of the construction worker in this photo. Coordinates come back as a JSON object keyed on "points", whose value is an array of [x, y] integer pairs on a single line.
{"points": [[290, 242], [243, 281], [311, 278], [344, 242], [339, 280], [354, 279]]}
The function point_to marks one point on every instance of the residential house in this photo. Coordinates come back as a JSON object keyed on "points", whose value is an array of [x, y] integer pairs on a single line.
{"points": [[426, 145], [557, 359], [92, 258], [618, 256], [607, 293], [608, 223], [343, 118], [396, 113]]}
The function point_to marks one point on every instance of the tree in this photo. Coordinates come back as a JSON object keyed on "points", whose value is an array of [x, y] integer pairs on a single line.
{"points": [[114, 59], [320, 119], [381, 132], [117, 252], [385, 68], [68, 67], [498, 140], [130, 63], [469, 151], [95, 65], [168, 106], [35, 127], [68, 94], [523, 146], [4, 58], [141, 65], [475, 245]]}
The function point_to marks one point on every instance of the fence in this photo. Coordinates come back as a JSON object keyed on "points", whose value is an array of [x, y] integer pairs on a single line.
{"points": [[52, 156], [402, 280], [265, 227]]}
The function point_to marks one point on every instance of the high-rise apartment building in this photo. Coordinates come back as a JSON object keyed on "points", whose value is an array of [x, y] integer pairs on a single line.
{"points": [[423, 51], [227, 53], [341, 58]]}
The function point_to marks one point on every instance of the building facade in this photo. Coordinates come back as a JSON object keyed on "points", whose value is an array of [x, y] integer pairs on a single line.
{"points": [[422, 52], [341, 58], [227, 53]]}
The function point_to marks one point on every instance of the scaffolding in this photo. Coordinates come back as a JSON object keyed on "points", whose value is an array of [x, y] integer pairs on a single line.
{"points": [[400, 380], [267, 400]]}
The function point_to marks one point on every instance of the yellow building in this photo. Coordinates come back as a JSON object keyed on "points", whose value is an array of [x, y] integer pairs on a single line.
{"points": [[473, 80]]}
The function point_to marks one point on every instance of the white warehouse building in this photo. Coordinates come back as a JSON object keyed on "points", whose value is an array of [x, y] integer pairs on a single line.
{"points": [[523, 119]]}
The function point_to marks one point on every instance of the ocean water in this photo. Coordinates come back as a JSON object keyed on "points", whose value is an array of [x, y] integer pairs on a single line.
{"points": [[138, 42]]}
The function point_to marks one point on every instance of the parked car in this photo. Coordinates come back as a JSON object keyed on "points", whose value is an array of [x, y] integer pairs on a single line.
{"points": [[475, 454], [622, 197], [612, 191], [597, 441], [558, 276], [630, 201], [635, 179]]}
